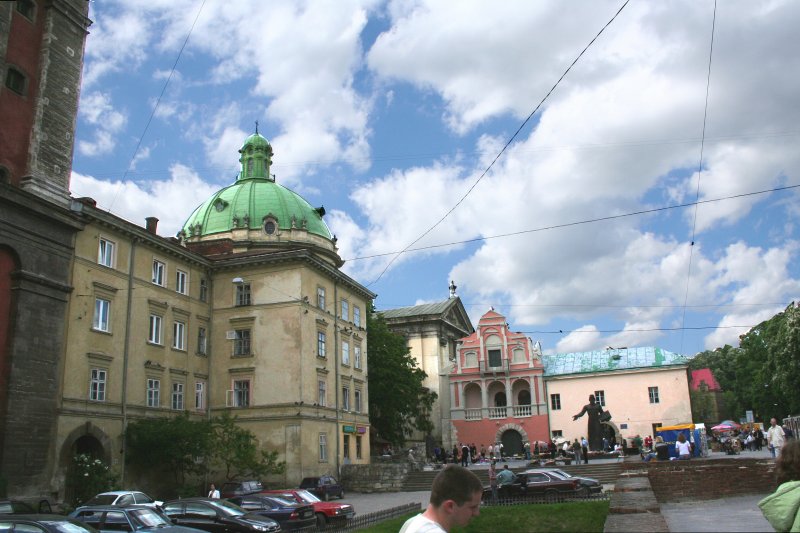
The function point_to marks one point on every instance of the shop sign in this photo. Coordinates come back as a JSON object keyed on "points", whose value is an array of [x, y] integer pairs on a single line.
{"points": [[349, 429]]}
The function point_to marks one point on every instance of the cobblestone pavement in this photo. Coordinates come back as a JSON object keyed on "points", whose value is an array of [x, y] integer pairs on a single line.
{"points": [[737, 513], [378, 501]]}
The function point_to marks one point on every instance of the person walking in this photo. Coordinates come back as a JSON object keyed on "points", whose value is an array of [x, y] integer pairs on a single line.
{"points": [[585, 450], [464, 455], [577, 450], [493, 481], [455, 500], [775, 438]]}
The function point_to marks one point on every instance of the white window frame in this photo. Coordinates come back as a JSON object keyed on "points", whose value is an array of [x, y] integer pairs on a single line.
{"points": [[600, 397], [652, 392], [357, 400], [98, 379], [323, 447], [555, 402], [321, 297], [177, 396], [345, 310], [179, 335], [346, 398], [357, 356], [321, 340], [200, 395], [242, 389], [106, 252], [322, 392], [181, 281], [357, 316], [153, 392], [159, 272], [202, 340], [155, 332], [345, 353], [102, 315]]}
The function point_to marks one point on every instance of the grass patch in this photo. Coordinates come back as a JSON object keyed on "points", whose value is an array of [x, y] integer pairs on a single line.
{"points": [[572, 516]]}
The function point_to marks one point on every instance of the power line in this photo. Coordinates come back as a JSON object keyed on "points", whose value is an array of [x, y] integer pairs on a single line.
{"points": [[682, 328], [578, 222], [607, 306], [700, 165], [502, 151], [155, 107]]}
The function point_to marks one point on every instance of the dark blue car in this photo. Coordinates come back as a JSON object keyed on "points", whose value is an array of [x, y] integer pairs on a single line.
{"points": [[289, 514]]}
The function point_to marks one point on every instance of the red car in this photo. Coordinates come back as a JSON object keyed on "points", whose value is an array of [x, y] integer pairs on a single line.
{"points": [[324, 511]]}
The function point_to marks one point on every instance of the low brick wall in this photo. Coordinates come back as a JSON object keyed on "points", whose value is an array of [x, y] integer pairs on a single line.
{"points": [[708, 479], [377, 477]]}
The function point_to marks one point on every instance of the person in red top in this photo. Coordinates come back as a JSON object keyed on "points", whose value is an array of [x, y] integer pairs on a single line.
{"points": [[648, 442]]}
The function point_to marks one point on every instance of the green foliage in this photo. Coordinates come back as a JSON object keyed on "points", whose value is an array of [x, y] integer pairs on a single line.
{"points": [[398, 401], [176, 445], [87, 476], [763, 372], [702, 407], [235, 449]]}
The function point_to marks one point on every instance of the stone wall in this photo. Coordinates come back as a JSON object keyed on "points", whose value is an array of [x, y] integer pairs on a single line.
{"points": [[378, 477], [710, 479]]}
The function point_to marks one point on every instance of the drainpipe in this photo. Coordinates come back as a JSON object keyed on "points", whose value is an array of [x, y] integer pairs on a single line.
{"points": [[336, 365], [125, 354], [209, 351]]}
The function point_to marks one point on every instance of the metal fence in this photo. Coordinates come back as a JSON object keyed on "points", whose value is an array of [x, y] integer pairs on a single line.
{"points": [[542, 498], [370, 519]]}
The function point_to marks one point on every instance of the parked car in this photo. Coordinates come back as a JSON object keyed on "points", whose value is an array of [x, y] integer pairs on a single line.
{"points": [[217, 516], [588, 485], [232, 489], [43, 523], [288, 513], [123, 497], [21, 507], [323, 487], [138, 518], [324, 511], [537, 483]]}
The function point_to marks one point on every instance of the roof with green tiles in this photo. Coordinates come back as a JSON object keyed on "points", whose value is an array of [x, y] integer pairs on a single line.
{"points": [[255, 198], [436, 308], [562, 364]]}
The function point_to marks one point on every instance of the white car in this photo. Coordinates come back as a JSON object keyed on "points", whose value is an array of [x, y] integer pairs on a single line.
{"points": [[124, 497]]}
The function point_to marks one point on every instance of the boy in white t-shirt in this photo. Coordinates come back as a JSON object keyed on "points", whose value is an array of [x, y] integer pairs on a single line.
{"points": [[455, 499]]}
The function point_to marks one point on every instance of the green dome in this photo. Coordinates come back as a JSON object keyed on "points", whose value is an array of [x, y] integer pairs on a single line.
{"points": [[255, 201]]}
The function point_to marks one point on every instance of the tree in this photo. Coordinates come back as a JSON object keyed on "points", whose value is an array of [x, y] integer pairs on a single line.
{"points": [[177, 445], [398, 401], [235, 449]]}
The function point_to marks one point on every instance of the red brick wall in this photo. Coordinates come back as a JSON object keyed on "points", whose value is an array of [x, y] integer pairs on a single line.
{"points": [[709, 479]]}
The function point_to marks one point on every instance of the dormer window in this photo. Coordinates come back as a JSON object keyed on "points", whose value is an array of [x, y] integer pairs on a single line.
{"points": [[220, 204]]}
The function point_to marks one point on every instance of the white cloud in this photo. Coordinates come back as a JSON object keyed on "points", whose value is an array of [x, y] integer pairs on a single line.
{"points": [[97, 109]]}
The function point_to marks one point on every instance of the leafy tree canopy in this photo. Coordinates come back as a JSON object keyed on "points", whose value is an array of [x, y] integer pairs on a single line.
{"points": [[236, 450], [398, 401]]}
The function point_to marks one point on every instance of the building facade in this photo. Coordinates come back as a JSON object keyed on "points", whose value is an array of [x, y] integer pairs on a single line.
{"points": [[497, 388], [431, 332], [643, 388], [41, 58]]}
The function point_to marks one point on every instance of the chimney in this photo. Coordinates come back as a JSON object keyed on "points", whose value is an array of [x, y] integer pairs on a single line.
{"points": [[152, 224]]}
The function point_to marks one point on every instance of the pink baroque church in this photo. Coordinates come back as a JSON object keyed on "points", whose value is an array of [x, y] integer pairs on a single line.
{"points": [[497, 388]]}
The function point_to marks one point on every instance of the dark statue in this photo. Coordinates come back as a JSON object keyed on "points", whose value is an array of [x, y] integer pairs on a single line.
{"points": [[595, 427]]}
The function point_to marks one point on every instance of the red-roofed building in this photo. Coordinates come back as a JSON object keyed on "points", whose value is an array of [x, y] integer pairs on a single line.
{"points": [[497, 388], [707, 400], [701, 377]]}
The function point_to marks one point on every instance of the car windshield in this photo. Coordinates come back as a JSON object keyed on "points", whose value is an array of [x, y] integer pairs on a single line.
{"points": [[307, 496], [559, 474], [103, 499], [150, 518], [230, 509], [67, 527], [280, 500]]}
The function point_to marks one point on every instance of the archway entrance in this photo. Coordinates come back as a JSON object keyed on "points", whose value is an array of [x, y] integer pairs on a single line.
{"points": [[89, 445], [512, 442], [610, 433]]}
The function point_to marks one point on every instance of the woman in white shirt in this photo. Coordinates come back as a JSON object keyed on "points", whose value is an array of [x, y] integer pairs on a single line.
{"points": [[683, 447]]}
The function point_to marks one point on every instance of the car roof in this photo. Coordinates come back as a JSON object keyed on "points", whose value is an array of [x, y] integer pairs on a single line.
{"points": [[194, 499], [113, 507], [117, 492]]}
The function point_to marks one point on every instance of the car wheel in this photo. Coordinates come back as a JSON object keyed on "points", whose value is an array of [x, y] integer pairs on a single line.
{"points": [[321, 521], [551, 496]]}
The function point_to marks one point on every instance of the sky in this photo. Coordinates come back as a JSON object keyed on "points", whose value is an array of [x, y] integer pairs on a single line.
{"points": [[389, 113]]}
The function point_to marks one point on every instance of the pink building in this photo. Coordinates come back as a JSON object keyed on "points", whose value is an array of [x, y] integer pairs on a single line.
{"points": [[496, 388]]}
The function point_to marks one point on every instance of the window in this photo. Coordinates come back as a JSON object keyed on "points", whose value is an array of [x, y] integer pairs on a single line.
{"points": [[495, 359], [557, 433], [346, 398], [320, 344], [321, 297], [180, 281], [243, 294], [470, 360], [653, 392], [241, 344], [357, 316], [357, 400], [358, 447], [203, 290], [97, 385], [15, 80], [600, 397], [345, 353], [347, 446], [159, 270], [154, 336], [153, 392], [105, 253], [357, 356], [555, 402], [202, 341], [102, 310], [345, 310], [179, 335], [321, 393], [323, 447], [241, 393], [200, 395], [26, 8], [177, 396]]}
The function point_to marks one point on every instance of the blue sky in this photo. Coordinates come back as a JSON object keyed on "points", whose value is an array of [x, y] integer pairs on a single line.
{"points": [[387, 113]]}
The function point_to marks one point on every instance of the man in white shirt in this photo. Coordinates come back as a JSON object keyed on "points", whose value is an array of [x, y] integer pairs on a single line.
{"points": [[213, 492], [775, 438], [455, 499]]}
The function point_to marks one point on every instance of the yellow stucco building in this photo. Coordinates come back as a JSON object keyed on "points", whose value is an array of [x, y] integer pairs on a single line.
{"points": [[246, 311]]}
